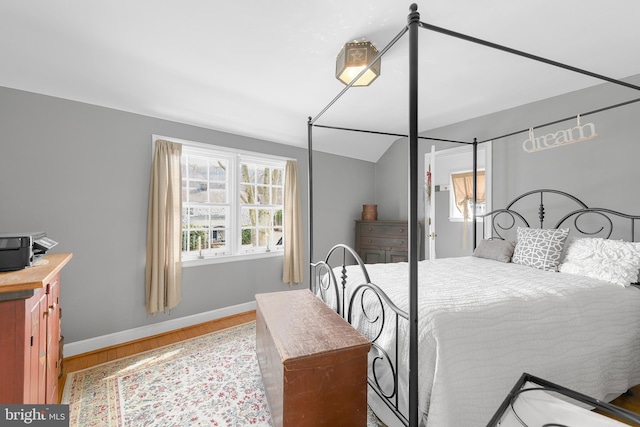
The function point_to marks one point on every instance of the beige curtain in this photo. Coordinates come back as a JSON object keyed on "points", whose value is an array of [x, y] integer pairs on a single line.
{"points": [[293, 250], [463, 191], [164, 268]]}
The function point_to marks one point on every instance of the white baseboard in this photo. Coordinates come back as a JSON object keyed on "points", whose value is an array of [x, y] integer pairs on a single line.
{"points": [[91, 344]]}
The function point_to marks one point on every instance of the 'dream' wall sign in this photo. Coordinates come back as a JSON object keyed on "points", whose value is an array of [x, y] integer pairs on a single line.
{"points": [[578, 133]]}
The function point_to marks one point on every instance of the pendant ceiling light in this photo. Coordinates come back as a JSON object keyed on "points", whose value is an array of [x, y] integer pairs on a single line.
{"points": [[352, 59]]}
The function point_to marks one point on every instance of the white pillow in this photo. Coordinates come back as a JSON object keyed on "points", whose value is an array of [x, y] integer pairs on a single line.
{"points": [[613, 261], [539, 248]]}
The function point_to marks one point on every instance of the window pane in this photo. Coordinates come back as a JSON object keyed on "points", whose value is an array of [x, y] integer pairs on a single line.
{"points": [[263, 195], [218, 228], [199, 217], [248, 237], [247, 194], [277, 176], [185, 217], [217, 192], [185, 193], [247, 173], [219, 217], [218, 238], [198, 167], [263, 175], [263, 237], [194, 238], [218, 170], [197, 192], [276, 196], [249, 217], [264, 218], [277, 218]]}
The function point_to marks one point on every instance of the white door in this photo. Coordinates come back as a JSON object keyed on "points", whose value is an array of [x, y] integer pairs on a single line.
{"points": [[430, 204], [454, 232]]}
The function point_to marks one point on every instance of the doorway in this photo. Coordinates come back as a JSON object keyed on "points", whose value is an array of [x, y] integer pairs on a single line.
{"points": [[447, 232]]}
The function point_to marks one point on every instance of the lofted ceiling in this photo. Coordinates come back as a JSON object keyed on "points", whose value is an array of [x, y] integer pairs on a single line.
{"points": [[260, 68]]}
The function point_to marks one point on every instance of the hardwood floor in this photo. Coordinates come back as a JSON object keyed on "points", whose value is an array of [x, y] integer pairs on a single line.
{"points": [[630, 402]]}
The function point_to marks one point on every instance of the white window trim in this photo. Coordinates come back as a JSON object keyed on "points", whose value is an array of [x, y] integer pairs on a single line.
{"points": [[238, 157]]}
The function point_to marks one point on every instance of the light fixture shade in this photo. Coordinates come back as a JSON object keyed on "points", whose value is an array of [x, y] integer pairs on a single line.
{"points": [[352, 59]]}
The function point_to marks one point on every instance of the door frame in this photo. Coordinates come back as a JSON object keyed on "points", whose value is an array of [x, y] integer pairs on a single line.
{"points": [[484, 161]]}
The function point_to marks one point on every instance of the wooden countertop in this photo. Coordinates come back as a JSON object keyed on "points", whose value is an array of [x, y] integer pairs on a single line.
{"points": [[34, 277]]}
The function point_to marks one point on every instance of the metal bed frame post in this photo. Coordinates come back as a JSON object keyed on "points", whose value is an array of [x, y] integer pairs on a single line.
{"points": [[413, 23], [310, 195]]}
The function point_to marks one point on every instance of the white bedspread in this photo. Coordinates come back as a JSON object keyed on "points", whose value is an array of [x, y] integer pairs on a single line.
{"points": [[483, 323]]}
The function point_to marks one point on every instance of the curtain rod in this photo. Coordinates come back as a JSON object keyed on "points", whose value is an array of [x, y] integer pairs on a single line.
{"points": [[599, 110], [391, 134]]}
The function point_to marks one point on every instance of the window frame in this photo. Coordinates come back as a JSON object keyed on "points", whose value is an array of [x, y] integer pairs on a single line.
{"points": [[235, 158]]}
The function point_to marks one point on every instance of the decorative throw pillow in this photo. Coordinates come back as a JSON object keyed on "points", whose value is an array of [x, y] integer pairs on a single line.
{"points": [[613, 261], [499, 250], [539, 248]]}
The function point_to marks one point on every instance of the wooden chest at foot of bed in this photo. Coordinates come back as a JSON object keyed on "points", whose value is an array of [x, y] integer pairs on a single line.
{"points": [[313, 363]]}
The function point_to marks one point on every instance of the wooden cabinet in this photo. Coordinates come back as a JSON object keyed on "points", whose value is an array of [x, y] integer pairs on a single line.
{"points": [[313, 363], [52, 356], [34, 348], [383, 241], [30, 332]]}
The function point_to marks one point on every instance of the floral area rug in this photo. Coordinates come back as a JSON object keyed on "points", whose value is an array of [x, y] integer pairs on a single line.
{"points": [[211, 380]]}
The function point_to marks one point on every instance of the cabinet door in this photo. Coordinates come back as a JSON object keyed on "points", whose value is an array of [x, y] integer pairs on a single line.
{"points": [[397, 256], [36, 349], [52, 315], [372, 255]]}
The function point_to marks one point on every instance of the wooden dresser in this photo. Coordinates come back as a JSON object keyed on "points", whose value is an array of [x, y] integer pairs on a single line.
{"points": [[313, 363], [383, 241], [30, 332]]}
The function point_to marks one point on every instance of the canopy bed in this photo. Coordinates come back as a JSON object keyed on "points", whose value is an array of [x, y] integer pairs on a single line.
{"points": [[466, 325]]}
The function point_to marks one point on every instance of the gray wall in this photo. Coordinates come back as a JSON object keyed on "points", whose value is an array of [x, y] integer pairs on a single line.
{"points": [[601, 171], [81, 173], [341, 186]]}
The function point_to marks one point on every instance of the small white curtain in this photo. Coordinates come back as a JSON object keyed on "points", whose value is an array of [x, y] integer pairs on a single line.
{"points": [[293, 271], [164, 267]]}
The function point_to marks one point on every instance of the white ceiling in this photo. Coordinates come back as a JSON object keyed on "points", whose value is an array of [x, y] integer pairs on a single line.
{"points": [[260, 68]]}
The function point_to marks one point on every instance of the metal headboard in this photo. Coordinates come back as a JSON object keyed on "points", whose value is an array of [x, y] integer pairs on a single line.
{"points": [[584, 220]]}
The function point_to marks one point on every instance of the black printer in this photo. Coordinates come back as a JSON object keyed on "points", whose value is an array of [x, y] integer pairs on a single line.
{"points": [[20, 250]]}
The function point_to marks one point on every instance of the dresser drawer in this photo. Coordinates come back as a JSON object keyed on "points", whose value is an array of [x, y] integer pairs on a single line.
{"points": [[382, 242], [372, 228]]}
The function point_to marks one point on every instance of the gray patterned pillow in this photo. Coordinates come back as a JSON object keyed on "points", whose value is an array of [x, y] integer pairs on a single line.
{"points": [[539, 248]]}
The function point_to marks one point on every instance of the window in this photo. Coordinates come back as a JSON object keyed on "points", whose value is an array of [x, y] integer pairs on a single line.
{"points": [[261, 200], [232, 203], [461, 195]]}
